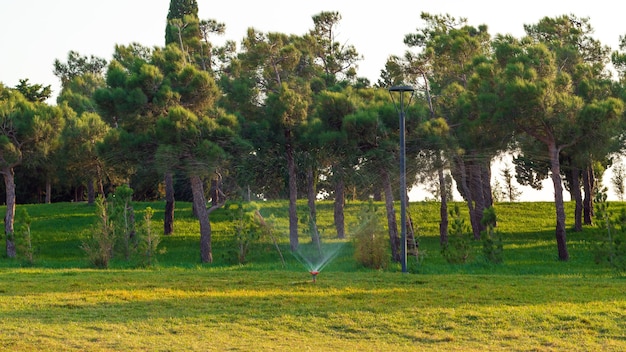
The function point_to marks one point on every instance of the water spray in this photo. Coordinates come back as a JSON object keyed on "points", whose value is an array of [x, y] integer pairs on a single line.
{"points": [[315, 256]]}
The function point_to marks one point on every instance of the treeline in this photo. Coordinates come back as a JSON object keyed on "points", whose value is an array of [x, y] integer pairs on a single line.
{"points": [[286, 116]]}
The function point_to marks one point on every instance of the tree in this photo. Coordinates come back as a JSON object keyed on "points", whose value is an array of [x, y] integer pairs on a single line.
{"points": [[617, 180], [79, 151], [336, 66], [290, 110], [270, 79], [176, 13], [34, 92], [81, 165], [511, 192], [185, 30], [338, 61], [434, 135], [450, 67], [78, 65], [187, 142], [39, 166], [584, 59], [26, 129], [374, 132], [335, 152], [137, 94], [538, 99]]}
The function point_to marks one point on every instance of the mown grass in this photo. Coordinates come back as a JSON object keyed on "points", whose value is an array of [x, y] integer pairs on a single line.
{"points": [[531, 302]]}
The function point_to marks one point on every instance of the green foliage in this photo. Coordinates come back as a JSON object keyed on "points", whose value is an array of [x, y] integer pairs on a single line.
{"points": [[611, 248], [247, 229], [458, 249], [24, 236], [370, 244], [493, 248], [78, 65], [122, 216], [99, 246], [267, 228], [34, 92], [618, 180], [61, 229], [148, 241], [511, 193]]}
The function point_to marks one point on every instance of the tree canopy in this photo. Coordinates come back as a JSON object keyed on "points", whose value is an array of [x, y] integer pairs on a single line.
{"points": [[287, 116]]}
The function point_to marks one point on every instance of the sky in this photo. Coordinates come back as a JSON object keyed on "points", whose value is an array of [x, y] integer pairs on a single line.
{"points": [[33, 33]]}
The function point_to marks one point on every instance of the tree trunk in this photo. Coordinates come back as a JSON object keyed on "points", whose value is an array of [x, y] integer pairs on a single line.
{"points": [[293, 193], [340, 202], [588, 187], [9, 217], [91, 193], [216, 191], [486, 183], [555, 169], [199, 202], [378, 197], [48, 190], [443, 207], [477, 189], [312, 197], [100, 181], [394, 239], [577, 197], [461, 175], [78, 193], [170, 203]]}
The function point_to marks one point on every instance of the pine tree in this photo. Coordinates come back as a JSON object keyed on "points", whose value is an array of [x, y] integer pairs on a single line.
{"points": [[178, 10]]}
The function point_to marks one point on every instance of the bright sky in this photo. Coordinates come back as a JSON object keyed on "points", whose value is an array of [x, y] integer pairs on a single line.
{"points": [[33, 33]]}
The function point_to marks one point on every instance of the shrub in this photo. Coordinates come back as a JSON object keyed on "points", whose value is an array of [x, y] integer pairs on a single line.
{"points": [[458, 248], [99, 246], [267, 230], [493, 248], [122, 215], [611, 248], [148, 241], [25, 241], [247, 229], [370, 245]]}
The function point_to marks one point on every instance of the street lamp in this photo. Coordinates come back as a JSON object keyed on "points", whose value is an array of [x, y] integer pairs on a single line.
{"points": [[402, 89]]}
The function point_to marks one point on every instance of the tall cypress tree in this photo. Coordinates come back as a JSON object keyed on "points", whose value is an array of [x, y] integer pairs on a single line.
{"points": [[173, 32], [178, 10]]}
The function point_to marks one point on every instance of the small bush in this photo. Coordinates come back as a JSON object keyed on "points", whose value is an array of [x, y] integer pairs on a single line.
{"points": [[149, 241], [370, 245], [99, 246], [24, 236], [267, 228], [493, 248], [458, 249], [122, 215], [247, 229], [611, 248]]}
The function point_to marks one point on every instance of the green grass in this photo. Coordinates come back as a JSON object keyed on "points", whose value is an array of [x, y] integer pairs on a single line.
{"points": [[531, 302]]}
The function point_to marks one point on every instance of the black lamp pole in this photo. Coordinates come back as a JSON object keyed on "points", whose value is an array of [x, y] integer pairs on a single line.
{"points": [[403, 201]]}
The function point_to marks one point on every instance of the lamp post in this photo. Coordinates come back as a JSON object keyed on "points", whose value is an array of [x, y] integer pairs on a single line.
{"points": [[402, 89]]}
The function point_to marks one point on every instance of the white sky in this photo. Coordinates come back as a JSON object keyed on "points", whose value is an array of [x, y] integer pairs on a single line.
{"points": [[33, 33]]}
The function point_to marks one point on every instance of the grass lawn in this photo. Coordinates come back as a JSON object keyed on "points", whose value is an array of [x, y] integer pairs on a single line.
{"points": [[531, 302]]}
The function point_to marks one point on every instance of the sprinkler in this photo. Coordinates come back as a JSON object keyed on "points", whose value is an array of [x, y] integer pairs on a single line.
{"points": [[314, 274]]}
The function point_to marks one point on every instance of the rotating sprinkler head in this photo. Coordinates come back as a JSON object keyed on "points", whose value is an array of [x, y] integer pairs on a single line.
{"points": [[314, 275]]}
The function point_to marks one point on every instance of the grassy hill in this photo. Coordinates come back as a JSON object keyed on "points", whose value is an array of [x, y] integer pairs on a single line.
{"points": [[530, 302], [527, 230]]}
